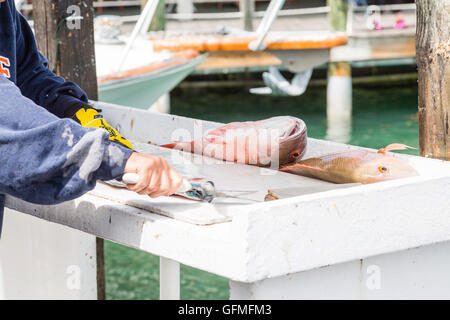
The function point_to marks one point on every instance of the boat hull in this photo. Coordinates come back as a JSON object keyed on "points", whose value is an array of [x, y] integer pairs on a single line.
{"points": [[141, 91]]}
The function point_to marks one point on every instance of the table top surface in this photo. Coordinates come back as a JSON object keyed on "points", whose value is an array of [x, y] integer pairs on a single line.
{"points": [[263, 239]]}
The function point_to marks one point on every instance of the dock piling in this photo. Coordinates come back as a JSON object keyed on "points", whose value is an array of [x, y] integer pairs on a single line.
{"points": [[433, 64], [339, 83], [247, 8], [71, 46]]}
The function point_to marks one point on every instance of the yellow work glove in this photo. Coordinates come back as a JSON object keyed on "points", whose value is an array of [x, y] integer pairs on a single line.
{"points": [[89, 117]]}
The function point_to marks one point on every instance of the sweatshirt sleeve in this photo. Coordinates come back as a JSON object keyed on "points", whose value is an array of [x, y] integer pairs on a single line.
{"points": [[35, 79], [47, 160]]}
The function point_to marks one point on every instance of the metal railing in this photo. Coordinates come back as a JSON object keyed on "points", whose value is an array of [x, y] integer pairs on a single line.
{"points": [[226, 15]]}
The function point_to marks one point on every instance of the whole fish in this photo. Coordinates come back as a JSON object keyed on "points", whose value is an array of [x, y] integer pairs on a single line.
{"points": [[252, 142], [364, 166]]}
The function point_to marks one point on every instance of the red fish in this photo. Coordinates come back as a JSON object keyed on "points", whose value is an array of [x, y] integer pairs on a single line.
{"points": [[261, 143], [364, 166]]}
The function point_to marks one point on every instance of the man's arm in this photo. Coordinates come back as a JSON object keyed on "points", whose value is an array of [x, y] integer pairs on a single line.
{"points": [[48, 160]]}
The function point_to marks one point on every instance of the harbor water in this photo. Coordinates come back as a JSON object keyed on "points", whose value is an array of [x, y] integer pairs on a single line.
{"points": [[381, 116]]}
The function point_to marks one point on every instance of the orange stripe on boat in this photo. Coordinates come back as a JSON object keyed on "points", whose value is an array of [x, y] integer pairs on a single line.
{"points": [[176, 59]]}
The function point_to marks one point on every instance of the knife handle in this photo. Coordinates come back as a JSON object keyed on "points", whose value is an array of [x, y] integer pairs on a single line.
{"points": [[133, 178]]}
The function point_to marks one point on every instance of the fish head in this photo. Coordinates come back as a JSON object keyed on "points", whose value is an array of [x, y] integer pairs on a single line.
{"points": [[292, 144], [382, 167]]}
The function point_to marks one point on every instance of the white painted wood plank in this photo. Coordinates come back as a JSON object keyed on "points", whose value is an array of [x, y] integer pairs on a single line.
{"points": [[340, 281], [419, 273], [316, 230], [44, 260], [162, 236]]}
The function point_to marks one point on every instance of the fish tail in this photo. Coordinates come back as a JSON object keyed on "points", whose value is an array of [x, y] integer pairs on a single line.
{"points": [[394, 146], [180, 145]]}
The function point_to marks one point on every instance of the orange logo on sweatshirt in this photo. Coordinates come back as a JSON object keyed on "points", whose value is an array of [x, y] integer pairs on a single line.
{"points": [[4, 64]]}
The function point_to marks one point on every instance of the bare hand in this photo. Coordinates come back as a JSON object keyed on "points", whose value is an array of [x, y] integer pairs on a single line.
{"points": [[157, 178]]}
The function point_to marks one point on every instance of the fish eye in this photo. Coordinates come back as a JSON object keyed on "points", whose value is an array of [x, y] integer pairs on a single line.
{"points": [[383, 169], [295, 154]]}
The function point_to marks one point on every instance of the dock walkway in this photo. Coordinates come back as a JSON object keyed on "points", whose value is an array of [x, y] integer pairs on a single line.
{"points": [[387, 46], [300, 23]]}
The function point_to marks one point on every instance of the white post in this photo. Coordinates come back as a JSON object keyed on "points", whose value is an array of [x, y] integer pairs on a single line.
{"points": [[162, 104], [339, 85], [2, 291], [339, 108], [186, 9], [169, 279], [247, 8], [350, 17]]}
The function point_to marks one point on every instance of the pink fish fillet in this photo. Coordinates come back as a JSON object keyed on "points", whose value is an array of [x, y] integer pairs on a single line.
{"points": [[280, 139]]}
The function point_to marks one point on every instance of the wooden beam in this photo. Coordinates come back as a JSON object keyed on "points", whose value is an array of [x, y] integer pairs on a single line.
{"points": [[45, 24], [433, 64], [69, 46]]}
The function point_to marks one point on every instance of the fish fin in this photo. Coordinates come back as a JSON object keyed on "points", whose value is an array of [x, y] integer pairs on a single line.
{"points": [[394, 146], [195, 179], [288, 167], [169, 145], [210, 138]]}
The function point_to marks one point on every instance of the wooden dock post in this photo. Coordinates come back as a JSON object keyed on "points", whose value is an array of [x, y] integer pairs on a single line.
{"points": [[247, 8], [74, 54], [339, 83], [68, 42], [433, 64]]}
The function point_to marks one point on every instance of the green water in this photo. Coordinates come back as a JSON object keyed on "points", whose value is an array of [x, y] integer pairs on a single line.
{"points": [[380, 116], [133, 274]]}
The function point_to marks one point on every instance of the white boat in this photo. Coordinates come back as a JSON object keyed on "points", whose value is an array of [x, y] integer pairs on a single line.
{"points": [[146, 75], [129, 71]]}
